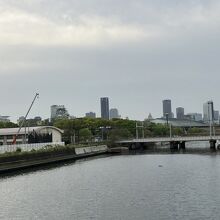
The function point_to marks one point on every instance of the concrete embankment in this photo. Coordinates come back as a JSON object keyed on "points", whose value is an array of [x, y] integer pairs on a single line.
{"points": [[19, 162]]}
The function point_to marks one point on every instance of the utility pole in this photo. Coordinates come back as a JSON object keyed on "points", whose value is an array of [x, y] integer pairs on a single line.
{"points": [[170, 131], [210, 114]]}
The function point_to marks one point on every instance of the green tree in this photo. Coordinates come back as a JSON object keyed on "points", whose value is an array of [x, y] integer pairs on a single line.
{"points": [[85, 135]]}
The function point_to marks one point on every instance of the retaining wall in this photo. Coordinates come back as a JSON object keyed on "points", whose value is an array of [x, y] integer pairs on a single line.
{"points": [[92, 149]]}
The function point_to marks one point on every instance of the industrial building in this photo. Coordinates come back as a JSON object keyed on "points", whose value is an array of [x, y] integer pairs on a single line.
{"points": [[29, 135]]}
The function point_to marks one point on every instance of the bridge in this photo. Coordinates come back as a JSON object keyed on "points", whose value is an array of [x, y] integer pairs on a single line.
{"points": [[175, 142]]}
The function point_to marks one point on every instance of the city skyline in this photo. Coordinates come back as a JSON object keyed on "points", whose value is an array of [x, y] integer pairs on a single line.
{"points": [[98, 114]]}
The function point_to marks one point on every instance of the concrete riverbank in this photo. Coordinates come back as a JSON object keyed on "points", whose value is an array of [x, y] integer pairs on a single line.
{"points": [[17, 162]]}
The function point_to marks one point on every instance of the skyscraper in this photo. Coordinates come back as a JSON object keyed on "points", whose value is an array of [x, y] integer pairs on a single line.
{"points": [[167, 109], [180, 113], [104, 108], [208, 112]]}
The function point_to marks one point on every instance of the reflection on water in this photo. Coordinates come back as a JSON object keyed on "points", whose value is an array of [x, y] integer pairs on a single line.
{"points": [[154, 185]]}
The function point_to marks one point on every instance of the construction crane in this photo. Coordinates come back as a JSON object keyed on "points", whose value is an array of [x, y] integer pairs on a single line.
{"points": [[23, 121]]}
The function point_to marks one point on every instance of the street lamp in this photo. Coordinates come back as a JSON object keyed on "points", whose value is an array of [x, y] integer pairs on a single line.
{"points": [[167, 118]]}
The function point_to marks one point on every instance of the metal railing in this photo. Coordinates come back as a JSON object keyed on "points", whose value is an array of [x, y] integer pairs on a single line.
{"points": [[168, 139]]}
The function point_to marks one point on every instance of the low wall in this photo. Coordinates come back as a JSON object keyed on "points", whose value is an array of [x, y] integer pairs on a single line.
{"points": [[92, 149], [27, 147]]}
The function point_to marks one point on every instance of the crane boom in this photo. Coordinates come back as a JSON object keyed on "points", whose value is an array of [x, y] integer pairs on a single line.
{"points": [[22, 123]]}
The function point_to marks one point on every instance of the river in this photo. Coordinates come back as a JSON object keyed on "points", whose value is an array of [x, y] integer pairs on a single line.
{"points": [[126, 187]]}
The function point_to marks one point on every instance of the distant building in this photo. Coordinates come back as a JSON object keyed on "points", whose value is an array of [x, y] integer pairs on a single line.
{"points": [[194, 116], [180, 113], [180, 123], [216, 117], [208, 111], [150, 117], [90, 115], [167, 109], [30, 121], [58, 111], [4, 119], [104, 101], [114, 113]]}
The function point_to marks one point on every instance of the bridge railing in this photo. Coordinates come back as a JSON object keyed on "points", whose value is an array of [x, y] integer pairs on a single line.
{"points": [[177, 138]]}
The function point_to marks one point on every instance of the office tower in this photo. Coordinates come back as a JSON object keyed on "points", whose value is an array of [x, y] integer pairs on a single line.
{"points": [[58, 111], [208, 112], [104, 108], [90, 115], [114, 113], [167, 109], [180, 113]]}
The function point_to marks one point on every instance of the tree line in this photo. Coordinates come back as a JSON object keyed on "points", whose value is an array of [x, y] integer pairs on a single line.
{"points": [[81, 130]]}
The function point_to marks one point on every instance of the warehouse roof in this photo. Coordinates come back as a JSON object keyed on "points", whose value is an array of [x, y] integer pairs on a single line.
{"points": [[13, 131]]}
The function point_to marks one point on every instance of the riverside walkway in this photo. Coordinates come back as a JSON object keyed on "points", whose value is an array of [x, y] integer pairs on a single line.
{"points": [[174, 141]]}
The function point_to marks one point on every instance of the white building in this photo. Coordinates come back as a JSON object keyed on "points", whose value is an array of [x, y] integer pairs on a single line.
{"points": [[42, 134]]}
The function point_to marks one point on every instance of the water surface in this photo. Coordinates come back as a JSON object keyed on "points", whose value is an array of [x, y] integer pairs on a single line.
{"points": [[126, 187]]}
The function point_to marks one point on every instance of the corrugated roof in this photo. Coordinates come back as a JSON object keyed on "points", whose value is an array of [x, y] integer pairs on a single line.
{"points": [[13, 131]]}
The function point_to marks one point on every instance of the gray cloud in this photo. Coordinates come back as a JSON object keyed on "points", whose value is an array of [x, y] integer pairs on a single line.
{"points": [[136, 53]]}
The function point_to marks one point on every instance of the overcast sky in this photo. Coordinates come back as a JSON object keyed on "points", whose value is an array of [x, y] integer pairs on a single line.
{"points": [[136, 52]]}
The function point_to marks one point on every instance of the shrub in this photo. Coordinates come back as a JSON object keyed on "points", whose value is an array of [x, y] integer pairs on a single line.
{"points": [[18, 150]]}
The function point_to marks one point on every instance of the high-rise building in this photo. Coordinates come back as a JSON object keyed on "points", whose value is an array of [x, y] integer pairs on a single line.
{"points": [[208, 111], [167, 109], [180, 113], [90, 115], [114, 113], [104, 101], [58, 111]]}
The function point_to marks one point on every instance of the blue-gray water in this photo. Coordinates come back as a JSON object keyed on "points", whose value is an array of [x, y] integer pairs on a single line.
{"points": [[127, 187]]}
